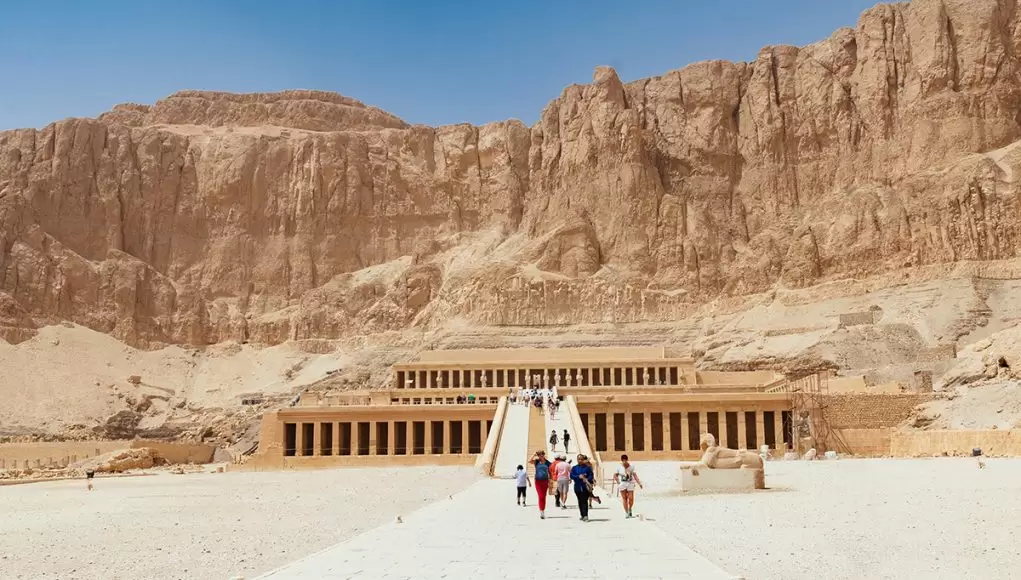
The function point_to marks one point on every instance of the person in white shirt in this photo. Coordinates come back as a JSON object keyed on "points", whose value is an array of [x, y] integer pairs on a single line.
{"points": [[522, 482], [626, 478]]}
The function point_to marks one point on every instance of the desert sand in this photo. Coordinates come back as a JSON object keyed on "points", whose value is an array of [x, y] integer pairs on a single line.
{"points": [[844, 519], [206, 525], [852, 519]]}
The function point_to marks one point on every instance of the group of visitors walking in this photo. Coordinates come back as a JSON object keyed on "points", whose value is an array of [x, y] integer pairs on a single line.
{"points": [[547, 399], [558, 477]]}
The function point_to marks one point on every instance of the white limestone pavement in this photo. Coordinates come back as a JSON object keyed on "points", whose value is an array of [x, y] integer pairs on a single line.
{"points": [[561, 422], [513, 449], [482, 533]]}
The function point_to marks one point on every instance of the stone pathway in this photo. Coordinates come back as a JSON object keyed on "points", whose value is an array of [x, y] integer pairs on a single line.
{"points": [[481, 533], [513, 450]]}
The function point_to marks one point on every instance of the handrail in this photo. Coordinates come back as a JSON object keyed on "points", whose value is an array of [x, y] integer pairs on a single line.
{"points": [[486, 459], [581, 436]]}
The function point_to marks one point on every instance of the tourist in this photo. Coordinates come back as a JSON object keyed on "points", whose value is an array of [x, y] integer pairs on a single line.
{"points": [[554, 478], [562, 473], [471, 398], [626, 478], [553, 440], [567, 440], [542, 466], [521, 480], [582, 477]]}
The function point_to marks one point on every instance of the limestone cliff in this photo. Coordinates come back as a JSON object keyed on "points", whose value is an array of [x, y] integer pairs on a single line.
{"points": [[267, 217]]}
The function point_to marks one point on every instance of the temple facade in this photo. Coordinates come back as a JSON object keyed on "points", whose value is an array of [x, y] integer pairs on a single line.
{"points": [[442, 408]]}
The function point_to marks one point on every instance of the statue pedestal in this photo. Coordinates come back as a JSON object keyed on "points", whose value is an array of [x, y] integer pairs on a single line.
{"points": [[722, 479]]}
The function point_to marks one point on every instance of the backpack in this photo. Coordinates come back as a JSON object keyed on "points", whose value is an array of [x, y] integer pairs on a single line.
{"points": [[541, 470]]}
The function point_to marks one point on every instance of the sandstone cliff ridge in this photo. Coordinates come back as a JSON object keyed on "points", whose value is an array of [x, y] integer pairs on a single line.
{"points": [[210, 217]]}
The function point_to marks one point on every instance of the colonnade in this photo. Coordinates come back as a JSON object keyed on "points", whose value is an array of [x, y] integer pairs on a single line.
{"points": [[345, 438], [560, 376], [680, 429]]}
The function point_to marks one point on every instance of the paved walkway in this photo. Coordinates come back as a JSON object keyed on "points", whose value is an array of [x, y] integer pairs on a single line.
{"points": [[513, 449], [481, 533]]}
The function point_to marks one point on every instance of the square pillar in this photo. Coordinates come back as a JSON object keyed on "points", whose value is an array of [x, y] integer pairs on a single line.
{"points": [[667, 438], [760, 429], [372, 437], [647, 431], [611, 436], [355, 442], [317, 444], [685, 426], [778, 428], [464, 437], [335, 448], [742, 431], [391, 444], [471, 378], [446, 437], [299, 439], [703, 422], [428, 437], [629, 433]]}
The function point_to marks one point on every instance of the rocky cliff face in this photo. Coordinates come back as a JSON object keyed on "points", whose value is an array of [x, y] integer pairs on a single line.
{"points": [[268, 217]]}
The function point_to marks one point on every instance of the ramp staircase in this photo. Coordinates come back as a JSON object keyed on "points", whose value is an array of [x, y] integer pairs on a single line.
{"points": [[513, 449]]}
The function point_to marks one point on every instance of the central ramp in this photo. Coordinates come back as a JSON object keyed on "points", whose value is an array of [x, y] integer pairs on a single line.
{"points": [[513, 449], [450, 539]]}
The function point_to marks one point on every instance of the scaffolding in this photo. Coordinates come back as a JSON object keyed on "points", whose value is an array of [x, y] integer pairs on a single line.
{"points": [[809, 426]]}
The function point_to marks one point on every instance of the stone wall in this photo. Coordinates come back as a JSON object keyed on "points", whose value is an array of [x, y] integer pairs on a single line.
{"points": [[857, 318], [854, 411], [929, 443]]}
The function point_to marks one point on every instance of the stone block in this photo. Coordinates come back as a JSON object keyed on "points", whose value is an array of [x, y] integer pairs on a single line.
{"points": [[722, 479]]}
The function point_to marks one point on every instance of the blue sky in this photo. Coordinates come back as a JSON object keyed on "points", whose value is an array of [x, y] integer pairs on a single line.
{"points": [[434, 62]]}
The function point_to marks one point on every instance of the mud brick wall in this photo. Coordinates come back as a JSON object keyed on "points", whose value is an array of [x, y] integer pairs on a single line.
{"points": [[853, 411]]}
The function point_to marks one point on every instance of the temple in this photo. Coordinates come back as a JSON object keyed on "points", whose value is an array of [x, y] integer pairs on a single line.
{"points": [[449, 407]]}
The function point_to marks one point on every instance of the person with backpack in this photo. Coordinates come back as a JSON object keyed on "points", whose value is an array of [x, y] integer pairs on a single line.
{"points": [[542, 475]]}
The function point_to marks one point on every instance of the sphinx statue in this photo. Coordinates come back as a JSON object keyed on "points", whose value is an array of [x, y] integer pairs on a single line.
{"points": [[716, 457]]}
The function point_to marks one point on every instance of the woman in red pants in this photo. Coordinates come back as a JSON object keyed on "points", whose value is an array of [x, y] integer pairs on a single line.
{"points": [[542, 466]]}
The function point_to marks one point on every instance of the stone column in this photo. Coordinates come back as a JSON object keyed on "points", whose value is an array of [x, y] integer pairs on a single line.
{"points": [[317, 443], [629, 432], [760, 430], [299, 439], [742, 431], [391, 436], [684, 431], [446, 437], [335, 428], [471, 378], [354, 438], [667, 439], [647, 428], [778, 428], [703, 422], [611, 437], [464, 437], [428, 379], [428, 437]]}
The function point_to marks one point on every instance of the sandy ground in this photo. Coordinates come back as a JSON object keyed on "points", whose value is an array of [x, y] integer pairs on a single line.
{"points": [[204, 525], [70, 374], [852, 519]]}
